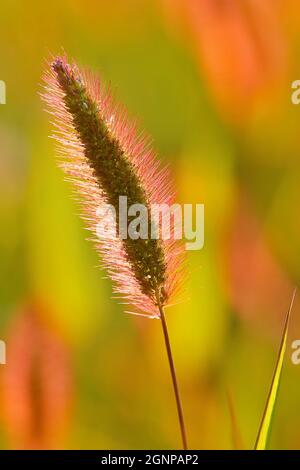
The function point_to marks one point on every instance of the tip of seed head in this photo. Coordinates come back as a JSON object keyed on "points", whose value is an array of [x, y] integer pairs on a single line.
{"points": [[62, 69], [57, 64]]}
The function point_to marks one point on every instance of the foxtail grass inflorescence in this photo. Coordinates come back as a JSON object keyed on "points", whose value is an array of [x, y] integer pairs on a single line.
{"points": [[106, 158]]}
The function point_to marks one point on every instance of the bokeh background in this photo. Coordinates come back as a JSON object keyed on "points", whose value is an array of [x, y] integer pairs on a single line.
{"points": [[210, 81]]}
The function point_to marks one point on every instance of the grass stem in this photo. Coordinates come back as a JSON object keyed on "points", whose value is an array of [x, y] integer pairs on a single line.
{"points": [[174, 378]]}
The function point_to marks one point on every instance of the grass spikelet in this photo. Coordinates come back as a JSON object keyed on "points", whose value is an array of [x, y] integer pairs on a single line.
{"points": [[106, 159]]}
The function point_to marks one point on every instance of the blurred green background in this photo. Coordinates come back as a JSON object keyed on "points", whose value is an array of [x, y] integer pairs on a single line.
{"points": [[210, 81]]}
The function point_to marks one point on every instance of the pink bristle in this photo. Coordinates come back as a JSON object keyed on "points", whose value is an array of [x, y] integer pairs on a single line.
{"points": [[154, 179]]}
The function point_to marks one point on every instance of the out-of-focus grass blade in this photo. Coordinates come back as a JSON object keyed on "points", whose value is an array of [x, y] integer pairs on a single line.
{"points": [[235, 430], [265, 425]]}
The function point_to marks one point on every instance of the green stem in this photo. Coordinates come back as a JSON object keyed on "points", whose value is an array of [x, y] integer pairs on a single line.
{"points": [[174, 379]]}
